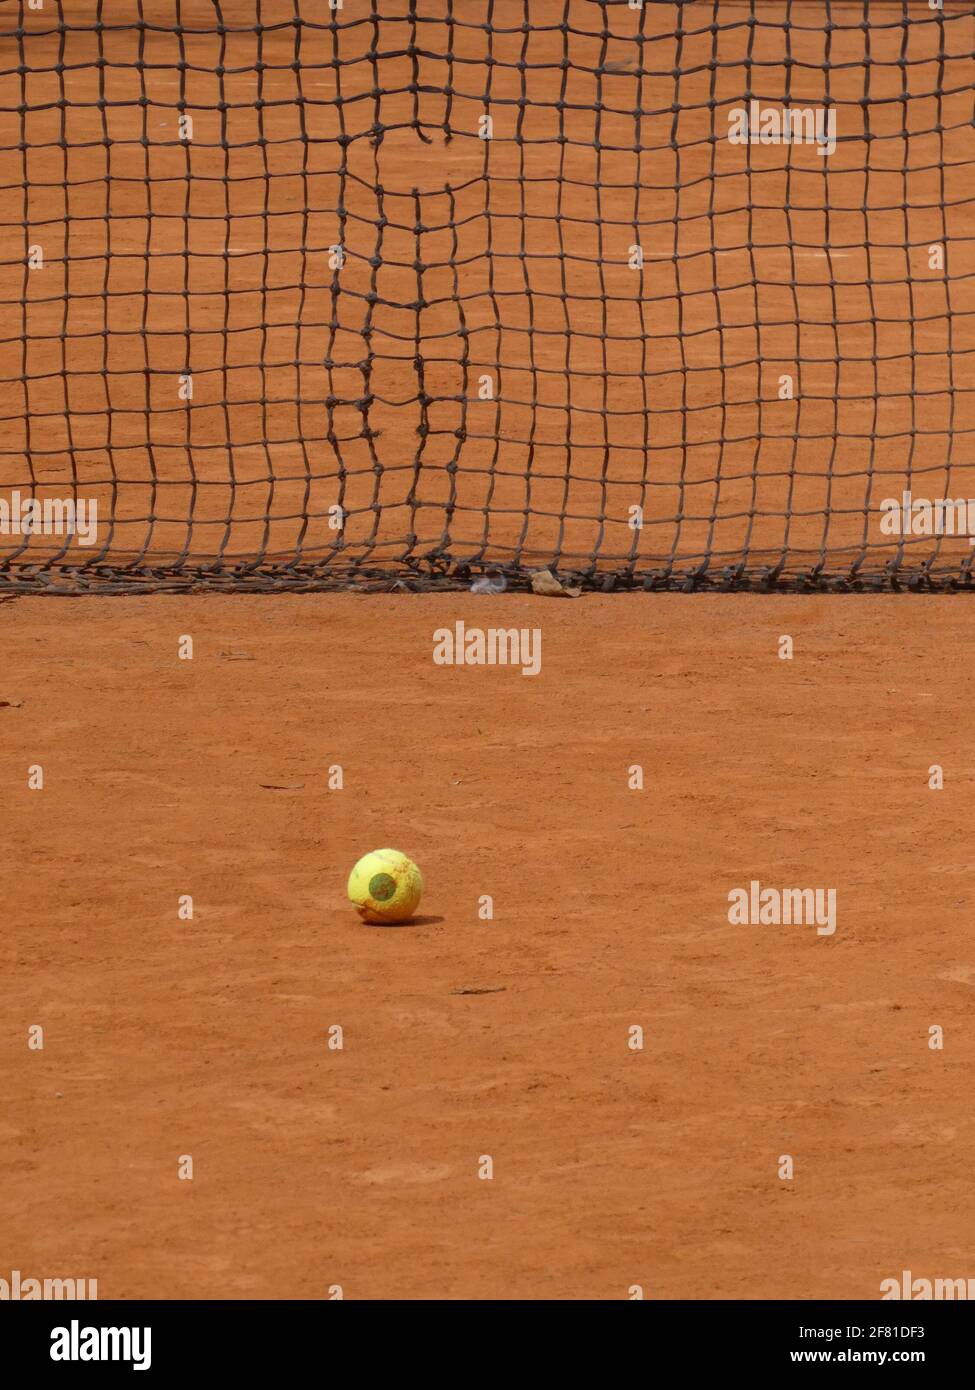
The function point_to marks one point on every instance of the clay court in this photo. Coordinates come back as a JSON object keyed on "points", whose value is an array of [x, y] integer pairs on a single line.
{"points": [[612, 1167], [207, 259]]}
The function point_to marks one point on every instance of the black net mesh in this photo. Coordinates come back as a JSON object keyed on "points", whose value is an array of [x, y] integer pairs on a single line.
{"points": [[659, 295]]}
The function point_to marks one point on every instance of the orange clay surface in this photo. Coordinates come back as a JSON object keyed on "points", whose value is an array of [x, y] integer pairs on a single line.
{"points": [[463, 1038]]}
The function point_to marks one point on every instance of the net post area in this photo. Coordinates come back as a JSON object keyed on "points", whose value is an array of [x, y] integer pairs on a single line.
{"points": [[382, 294]]}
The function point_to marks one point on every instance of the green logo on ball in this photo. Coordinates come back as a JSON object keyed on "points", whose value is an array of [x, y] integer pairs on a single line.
{"points": [[382, 888]]}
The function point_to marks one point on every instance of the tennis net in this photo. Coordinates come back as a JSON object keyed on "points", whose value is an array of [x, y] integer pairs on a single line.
{"points": [[397, 292]]}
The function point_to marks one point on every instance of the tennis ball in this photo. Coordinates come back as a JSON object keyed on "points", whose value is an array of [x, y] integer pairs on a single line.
{"points": [[385, 886]]}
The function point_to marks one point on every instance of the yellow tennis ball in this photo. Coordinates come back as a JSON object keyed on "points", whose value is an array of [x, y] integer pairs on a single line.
{"points": [[385, 886]]}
